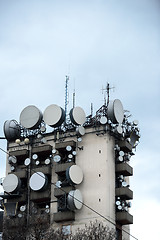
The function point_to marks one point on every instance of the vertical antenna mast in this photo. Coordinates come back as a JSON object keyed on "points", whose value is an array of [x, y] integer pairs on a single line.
{"points": [[66, 95], [107, 92], [74, 95]]}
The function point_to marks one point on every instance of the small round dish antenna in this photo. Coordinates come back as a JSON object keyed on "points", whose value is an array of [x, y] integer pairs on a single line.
{"points": [[37, 162], [20, 215], [47, 161], [68, 148], [11, 183], [103, 120], [119, 129], [119, 207], [47, 210], [54, 151], [80, 130], [35, 156], [79, 139], [12, 130], [42, 129], [12, 159], [120, 158], [124, 184], [23, 208], [38, 181], [74, 174], [12, 168], [54, 115], [77, 116], [135, 122], [30, 117], [57, 158], [74, 153], [27, 161], [115, 111], [118, 202], [121, 153], [70, 156]]}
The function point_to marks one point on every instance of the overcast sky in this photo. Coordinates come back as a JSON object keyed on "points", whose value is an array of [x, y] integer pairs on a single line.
{"points": [[94, 42]]}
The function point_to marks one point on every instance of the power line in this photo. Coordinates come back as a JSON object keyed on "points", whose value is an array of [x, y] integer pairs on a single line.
{"points": [[89, 207], [93, 210]]}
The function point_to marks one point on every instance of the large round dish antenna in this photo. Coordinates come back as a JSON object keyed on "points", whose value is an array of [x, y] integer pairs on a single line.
{"points": [[77, 116], [38, 181], [11, 183], [115, 111], [12, 130], [74, 174], [75, 200], [30, 117], [54, 115]]}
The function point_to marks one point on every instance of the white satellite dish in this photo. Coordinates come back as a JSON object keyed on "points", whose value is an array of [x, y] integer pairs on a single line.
{"points": [[121, 153], [12, 130], [74, 153], [115, 111], [12, 159], [47, 210], [135, 122], [74, 174], [74, 200], [54, 151], [57, 158], [30, 117], [124, 184], [23, 208], [38, 181], [118, 202], [11, 183], [119, 129], [47, 161], [54, 115], [27, 161], [37, 162], [77, 116], [120, 158], [103, 120], [70, 156], [35, 156], [119, 207], [12, 168], [80, 130], [79, 139], [68, 148]]}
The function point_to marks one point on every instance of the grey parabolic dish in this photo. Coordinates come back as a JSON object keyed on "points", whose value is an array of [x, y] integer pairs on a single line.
{"points": [[115, 111], [38, 181], [30, 117], [77, 116], [11, 183], [74, 174], [12, 130], [54, 115], [75, 200]]}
